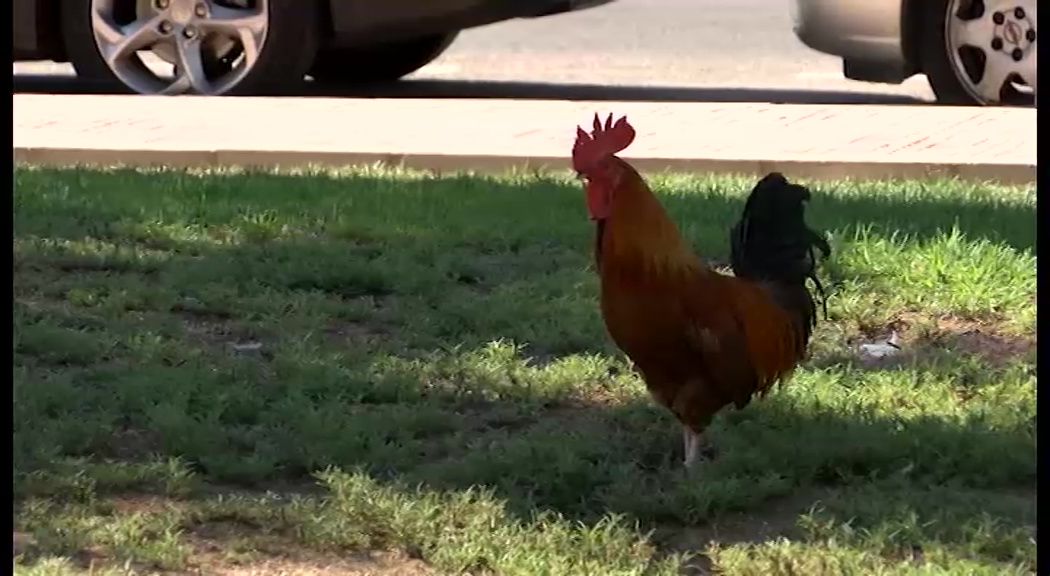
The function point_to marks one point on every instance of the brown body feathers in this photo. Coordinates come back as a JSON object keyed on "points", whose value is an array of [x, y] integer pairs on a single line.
{"points": [[701, 340]]}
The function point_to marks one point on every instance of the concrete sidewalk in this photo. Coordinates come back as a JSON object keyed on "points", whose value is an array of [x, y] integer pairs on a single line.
{"points": [[801, 140]]}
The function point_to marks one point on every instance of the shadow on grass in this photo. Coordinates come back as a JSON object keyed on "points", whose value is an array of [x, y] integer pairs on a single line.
{"points": [[261, 328], [785, 467], [919, 210]]}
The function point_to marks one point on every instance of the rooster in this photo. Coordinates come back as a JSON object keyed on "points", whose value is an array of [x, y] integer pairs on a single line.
{"points": [[701, 340]]}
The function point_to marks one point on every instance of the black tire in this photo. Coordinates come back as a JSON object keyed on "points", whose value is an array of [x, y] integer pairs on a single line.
{"points": [[290, 47], [936, 63], [381, 63]]}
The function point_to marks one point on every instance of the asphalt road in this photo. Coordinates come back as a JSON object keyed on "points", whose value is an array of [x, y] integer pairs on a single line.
{"points": [[693, 50]]}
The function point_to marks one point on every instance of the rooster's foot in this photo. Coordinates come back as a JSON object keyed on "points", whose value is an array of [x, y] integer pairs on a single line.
{"points": [[693, 442], [696, 448]]}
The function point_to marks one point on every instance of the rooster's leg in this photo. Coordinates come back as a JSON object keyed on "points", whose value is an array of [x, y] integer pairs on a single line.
{"points": [[693, 442]]}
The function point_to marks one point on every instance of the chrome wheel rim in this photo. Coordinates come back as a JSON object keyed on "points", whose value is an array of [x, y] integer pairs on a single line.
{"points": [[991, 46], [209, 45]]}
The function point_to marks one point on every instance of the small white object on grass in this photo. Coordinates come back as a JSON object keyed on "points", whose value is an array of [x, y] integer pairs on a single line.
{"points": [[884, 349], [246, 347]]}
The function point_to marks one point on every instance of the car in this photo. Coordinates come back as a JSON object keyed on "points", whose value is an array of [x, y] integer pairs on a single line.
{"points": [[217, 47], [973, 52]]}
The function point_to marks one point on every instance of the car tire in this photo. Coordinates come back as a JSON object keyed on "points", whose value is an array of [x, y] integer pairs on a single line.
{"points": [[292, 34], [381, 63], [951, 76]]}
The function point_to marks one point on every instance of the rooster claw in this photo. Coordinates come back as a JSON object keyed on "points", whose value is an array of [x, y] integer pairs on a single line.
{"points": [[696, 449], [703, 456]]}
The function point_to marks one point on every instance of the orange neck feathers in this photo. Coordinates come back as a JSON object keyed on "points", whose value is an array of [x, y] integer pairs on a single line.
{"points": [[638, 231]]}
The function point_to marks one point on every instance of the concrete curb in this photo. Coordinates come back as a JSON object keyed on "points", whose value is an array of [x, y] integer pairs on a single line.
{"points": [[803, 141], [288, 159]]}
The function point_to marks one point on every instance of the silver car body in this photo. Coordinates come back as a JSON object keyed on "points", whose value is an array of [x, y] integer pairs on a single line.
{"points": [[867, 34]]}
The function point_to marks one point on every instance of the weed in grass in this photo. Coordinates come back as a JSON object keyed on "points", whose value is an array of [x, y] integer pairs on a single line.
{"points": [[192, 348]]}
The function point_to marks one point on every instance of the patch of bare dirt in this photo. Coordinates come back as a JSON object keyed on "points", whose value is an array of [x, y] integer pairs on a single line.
{"points": [[226, 549], [22, 542], [216, 557], [134, 443], [990, 345], [288, 488], [219, 333], [370, 565], [348, 331], [139, 504], [917, 334], [777, 520], [318, 568]]}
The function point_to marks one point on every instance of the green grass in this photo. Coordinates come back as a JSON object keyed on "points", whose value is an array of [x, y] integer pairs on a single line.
{"points": [[390, 372]]}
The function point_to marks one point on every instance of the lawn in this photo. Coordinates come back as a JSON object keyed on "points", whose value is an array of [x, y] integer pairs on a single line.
{"points": [[373, 371]]}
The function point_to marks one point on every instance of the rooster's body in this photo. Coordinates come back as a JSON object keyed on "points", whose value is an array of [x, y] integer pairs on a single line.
{"points": [[701, 340]]}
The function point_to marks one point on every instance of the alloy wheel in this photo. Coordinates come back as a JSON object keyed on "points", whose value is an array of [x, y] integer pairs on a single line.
{"points": [[991, 47], [211, 45]]}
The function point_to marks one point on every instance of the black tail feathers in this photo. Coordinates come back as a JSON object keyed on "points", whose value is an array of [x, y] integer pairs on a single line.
{"points": [[771, 241]]}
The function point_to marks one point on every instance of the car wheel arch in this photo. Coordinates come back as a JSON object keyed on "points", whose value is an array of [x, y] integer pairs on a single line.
{"points": [[913, 25], [48, 21]]}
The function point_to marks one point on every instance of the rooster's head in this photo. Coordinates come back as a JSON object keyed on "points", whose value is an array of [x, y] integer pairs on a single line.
{"points": [[593, 158]]}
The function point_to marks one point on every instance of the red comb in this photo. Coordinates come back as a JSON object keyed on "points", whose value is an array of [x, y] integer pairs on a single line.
{"points": [[601, 142]]}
